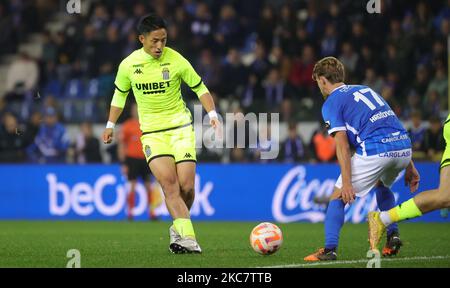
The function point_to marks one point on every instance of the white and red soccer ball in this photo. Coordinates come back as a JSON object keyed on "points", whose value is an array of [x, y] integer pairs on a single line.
{"points": [[266, 238]]}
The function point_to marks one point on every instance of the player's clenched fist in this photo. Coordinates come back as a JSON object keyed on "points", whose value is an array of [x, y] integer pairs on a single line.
{"points": [[108, 135]]}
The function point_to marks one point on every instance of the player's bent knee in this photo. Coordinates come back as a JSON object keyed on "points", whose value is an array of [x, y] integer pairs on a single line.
{"points": [[336, 194], [444, 192], [170, 186], [187, 192], [187, 187], [171, 194], [168, 180], [441, 198], [444, 195], [188, 195]]}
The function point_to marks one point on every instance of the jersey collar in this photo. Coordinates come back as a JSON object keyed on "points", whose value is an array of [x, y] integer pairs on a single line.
{"points": [[339, 87], [149, 57]]}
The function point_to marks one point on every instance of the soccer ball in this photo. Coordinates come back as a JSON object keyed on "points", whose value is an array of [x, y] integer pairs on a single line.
{"points": [[266, 238]]}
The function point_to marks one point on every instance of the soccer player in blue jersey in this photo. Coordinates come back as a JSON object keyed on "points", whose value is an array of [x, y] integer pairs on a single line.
{"points": [[358, 117]]}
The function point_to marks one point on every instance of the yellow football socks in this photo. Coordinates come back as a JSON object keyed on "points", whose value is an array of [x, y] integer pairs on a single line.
{"points": [[184, 227], [404, 211]]}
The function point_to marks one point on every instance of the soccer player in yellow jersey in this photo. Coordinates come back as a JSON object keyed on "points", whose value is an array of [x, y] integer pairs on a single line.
{"points": [[424, 202], [154, 73]]}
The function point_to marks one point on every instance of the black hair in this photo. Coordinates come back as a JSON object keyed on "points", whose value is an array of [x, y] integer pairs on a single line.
{"points": [[151, 22]]}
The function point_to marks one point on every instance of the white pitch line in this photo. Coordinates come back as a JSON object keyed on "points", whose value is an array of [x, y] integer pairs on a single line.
{"points": [[298, 265]]}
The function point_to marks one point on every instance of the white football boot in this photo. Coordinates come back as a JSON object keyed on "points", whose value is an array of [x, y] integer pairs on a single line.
{"points": [[173, 234], [173, 237], [185, 245]]}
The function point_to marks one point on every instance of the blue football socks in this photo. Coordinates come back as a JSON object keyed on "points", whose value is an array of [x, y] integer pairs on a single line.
{"points": [[334, 220]]}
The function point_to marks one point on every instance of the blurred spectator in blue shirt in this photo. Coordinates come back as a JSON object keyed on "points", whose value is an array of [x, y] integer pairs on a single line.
{"points": [[119, 21], [329, 44], [233, 71], [439, 83], [413, 104], [266, 26], [227, 30], [431, 104], [251, 92], [373, 81], [201, 27], [261, 65], [100, 19], [110, 47], [417, 132], [274, 88], [349, 58], [208, 69], [265, 146], [434, 142], [51, 142], [293, 149], [131, 44]]}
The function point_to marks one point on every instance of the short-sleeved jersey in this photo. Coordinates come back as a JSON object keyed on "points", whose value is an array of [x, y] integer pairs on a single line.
{"points": [[371, 125], [156, 87]]}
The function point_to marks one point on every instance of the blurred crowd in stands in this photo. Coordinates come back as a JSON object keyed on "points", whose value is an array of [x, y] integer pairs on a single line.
{"points": [[255, 55]]}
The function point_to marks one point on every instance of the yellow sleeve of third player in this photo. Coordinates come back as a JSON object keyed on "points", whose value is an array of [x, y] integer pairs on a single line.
{"points": [[191, 78], [123, 86]]}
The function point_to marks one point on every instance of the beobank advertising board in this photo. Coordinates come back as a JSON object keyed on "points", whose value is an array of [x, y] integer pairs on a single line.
{"points": [[233, 192]]}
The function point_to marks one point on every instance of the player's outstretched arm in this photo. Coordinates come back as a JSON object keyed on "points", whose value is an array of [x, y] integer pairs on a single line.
{"points": [[108, 133], [344, 158]]}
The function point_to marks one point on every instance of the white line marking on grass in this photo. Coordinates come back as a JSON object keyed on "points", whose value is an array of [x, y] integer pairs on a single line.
{"points": [[363, 261]]}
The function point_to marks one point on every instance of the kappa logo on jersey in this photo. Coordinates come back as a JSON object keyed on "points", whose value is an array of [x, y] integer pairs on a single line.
{"points": [[138, 71], [165, 73], [148, 151], [188, 155]]}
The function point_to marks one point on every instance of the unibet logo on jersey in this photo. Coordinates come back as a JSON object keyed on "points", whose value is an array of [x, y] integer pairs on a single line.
{"points": [[152, 88]]}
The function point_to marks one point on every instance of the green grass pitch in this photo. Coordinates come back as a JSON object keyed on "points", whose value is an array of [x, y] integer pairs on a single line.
{"points": [[224, 244]]}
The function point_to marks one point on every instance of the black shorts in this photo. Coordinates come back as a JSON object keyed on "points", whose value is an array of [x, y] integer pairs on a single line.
{"points": [[137, 168]]}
